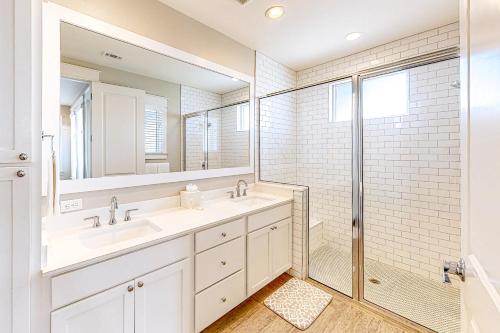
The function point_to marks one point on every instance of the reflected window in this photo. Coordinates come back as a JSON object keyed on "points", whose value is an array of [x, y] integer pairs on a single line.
{"points": [[243, 117], [155, 125], [386, 95], [340, 101]]}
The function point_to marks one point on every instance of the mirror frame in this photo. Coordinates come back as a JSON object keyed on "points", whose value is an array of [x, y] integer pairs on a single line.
{"points": [[53, 15]]}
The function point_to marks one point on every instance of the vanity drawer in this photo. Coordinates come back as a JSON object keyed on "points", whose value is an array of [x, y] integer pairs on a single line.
{"points": [[73, 286], [270, 216], [217, 235], [213, 303], [215, 264]]}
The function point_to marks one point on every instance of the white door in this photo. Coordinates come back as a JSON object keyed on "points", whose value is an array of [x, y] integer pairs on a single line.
{"points": [[15, 81], [164, 300], [117, 130], [480, 83], [259, 270], [281, 247], [111, 311], [14, 248]]}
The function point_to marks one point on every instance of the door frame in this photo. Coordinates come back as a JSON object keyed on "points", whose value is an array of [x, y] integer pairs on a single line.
{"points": [[358, 194]]}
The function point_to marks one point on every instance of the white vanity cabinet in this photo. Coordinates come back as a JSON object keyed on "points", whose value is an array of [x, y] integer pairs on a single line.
{"points": [[269, 248], [164, 300], [16, 84], [160, 300], [14, 248], [219, 271], [156, 302], [110, 311]]}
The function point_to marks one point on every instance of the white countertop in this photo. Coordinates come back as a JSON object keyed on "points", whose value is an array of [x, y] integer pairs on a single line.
{"points": [[65, 251]]}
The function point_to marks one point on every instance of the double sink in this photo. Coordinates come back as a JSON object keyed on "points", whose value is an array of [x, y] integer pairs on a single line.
{"points": [[121, 232]]}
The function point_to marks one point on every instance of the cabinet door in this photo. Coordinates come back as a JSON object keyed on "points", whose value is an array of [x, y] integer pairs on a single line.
{"points": [[281, 247], [111, 311], [15, 80], [14, 249], [258, 259], [164, 300]]}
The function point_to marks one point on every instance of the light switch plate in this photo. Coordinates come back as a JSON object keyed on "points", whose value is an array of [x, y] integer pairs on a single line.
{"points": [[71, 205]]}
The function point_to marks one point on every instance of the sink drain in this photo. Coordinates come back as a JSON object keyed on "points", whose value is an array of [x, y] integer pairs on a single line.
{"points": [[374, 281]]}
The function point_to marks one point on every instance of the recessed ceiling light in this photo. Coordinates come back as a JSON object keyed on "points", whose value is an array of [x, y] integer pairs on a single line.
{"points": [[234, 79], [353, 35], [275, 12]]}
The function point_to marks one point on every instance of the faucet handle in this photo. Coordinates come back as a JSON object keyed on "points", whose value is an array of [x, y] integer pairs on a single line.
{"points": [[231, 193], [127, 214], [95, 219], [245, 192]]}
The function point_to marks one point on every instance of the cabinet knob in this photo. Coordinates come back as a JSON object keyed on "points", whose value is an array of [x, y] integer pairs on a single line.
{"points": [[223, 234], [223, 263], [130, 289], [21, 173], [23, 156], [274, 228], [140, 284], [223, 300]]}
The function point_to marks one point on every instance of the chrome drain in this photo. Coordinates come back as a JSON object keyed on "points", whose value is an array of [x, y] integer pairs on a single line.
{"points": [[374, 281]]}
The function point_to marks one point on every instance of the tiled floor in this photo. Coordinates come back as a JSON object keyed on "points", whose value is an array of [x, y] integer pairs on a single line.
{"points": [[427, 302], [340, 316]]}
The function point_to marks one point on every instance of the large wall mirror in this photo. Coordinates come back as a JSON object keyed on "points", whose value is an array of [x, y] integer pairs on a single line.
{"points": [[126, 110]]}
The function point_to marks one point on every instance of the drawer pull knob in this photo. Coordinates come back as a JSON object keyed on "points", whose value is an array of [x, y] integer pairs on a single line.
{"points": [[223, 234], [130, 289], [21, 173], [223, 299], [274, 228], [23, 156], [140, 284], [223, 263]]}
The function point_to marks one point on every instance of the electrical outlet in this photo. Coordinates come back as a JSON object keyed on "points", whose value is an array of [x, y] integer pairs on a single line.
{"points": [[71, 205]]}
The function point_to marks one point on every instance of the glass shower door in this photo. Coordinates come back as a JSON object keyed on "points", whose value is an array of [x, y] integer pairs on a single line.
{"points": [[411, 191], [324, 160], [195, 141]]}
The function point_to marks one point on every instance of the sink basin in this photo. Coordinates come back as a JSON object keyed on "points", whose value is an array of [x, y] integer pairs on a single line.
{"points": [[252, 200], [118, 233]]}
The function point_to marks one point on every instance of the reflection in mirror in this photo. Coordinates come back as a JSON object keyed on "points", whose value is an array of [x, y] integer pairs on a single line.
{"points": [[217, 137], [127, 110]]}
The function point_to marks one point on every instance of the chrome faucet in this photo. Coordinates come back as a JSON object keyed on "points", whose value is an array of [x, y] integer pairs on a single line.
{"points": [[112, 211], [457, 268], [238, 192]]}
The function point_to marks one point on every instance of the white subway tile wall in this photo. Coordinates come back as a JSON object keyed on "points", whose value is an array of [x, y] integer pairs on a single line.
{"points": [[299, 234], [277, 133], [226, 147], [234, 144], [412, 169], [194, 100], [412, 176]]}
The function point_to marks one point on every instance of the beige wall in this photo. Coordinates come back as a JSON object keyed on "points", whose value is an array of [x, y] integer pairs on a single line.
{"points": [[157, 21], [152, 86]]}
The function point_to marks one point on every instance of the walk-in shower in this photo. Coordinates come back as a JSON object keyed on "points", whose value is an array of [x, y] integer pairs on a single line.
{"points": [[380, 153], [217, 138]]}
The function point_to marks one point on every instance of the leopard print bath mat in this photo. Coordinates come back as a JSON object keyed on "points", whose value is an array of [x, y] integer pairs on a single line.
{"points": [[298, 302]]}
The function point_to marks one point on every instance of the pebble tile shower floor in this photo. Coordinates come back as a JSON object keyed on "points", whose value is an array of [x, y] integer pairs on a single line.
{"points": [[427, 302]]}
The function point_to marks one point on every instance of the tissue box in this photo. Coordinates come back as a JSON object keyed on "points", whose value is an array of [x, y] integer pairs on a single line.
{"points": [[190, 199]]}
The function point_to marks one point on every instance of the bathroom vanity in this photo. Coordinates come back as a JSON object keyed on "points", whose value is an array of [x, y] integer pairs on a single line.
{"points": [[121, 112], [176, 269]]}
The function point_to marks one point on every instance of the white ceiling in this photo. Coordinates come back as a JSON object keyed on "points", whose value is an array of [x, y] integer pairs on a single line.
{"points": [[88, 46], [312, 31]]}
